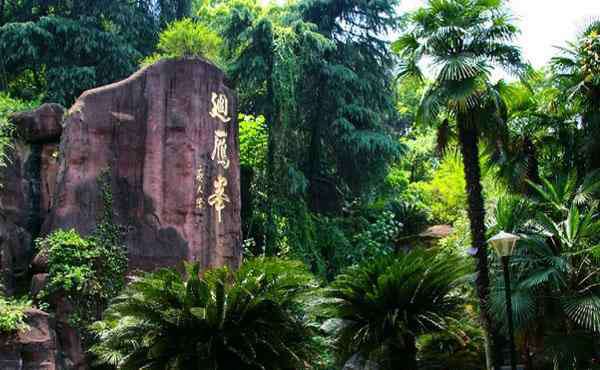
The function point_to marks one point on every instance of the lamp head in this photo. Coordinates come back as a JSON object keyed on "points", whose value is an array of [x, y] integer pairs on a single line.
{"points": [[504, 243]]}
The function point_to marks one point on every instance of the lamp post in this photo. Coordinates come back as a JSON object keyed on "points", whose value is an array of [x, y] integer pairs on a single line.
{"points": [[504, 245]]}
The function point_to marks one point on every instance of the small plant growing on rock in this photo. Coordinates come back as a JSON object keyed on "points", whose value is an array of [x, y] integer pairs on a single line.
{"points": [[12, 314], [186, 39]]}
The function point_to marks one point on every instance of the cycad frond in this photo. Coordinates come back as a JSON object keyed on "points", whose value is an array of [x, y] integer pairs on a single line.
{"points": [[248, 319]]}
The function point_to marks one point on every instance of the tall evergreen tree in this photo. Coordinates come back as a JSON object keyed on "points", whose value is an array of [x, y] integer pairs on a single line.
{"points": [[58, 49], [325, 88]]}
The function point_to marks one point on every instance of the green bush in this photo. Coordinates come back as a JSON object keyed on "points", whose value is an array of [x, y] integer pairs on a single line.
{"points": [[245, 320], [12, 314], [376, 239], [413, 217], [381, 306], [187, 39], [8, 106], [445, 192], [253, 140], [88, 271]]}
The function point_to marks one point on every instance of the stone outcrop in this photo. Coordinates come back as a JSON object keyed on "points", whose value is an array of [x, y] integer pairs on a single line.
{"points": [[27, 187], [160, 149], [31, 349], [165, 141]]}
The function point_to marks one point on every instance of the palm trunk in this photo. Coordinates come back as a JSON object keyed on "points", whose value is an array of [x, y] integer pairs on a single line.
{"points": [[533, 170], [468, 139]]}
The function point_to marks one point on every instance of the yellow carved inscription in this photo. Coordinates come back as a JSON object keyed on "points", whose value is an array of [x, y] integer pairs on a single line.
{"points": [[219, 198], [220, 108], [220, 150]]}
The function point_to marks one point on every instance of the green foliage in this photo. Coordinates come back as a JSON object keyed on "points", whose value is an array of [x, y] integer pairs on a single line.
{"points": [[445, 193], [458, 348], [88, 271], [555, 275], [65, 56], [253, 141], [377, 238], [577, 75], [411, 216], [57, 49], [9, 105], [459, 241], [382, 305], [187, 39], [248, 319], [12, 314]]}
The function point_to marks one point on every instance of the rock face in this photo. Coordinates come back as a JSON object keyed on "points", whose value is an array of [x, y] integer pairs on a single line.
{"points": [[164, 144], [27, 185], [32, 349], [160, 149]]}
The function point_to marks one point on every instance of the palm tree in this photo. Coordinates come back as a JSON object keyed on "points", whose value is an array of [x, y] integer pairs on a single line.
{"points": [[382, 305], [247, 320], [578, 74], [464, 39]]}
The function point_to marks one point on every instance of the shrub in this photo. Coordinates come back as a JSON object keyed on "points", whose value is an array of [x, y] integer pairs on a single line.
{"points": [[382, 305], [186, 39], [12, 314], [87, 271], [248, 319], [8, 106], [413, 217]]}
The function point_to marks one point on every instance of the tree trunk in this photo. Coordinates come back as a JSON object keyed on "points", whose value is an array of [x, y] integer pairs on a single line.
{"points": [[404, 356], [314, 164], [533, 170], [184, 9], [468, 138], [270, 113], [1, 13]]}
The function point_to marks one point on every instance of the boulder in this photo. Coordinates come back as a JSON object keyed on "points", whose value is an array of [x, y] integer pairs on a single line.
{"points": [[31, 349], [163, 146], [41, 125], [38, 282], [358, 362], [27, 187]]}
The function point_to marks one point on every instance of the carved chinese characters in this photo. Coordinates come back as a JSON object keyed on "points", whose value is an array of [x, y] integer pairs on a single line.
{"points": [[220, 151], [219, 107], [219, 199]]}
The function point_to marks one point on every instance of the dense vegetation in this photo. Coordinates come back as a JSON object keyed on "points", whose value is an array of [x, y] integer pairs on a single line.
{"points": [[349, 151]]}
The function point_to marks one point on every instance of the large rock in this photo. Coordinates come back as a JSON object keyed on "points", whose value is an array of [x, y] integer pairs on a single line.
{"points": [[156, 139], [27, 187], [31, 349], [41, 125]]}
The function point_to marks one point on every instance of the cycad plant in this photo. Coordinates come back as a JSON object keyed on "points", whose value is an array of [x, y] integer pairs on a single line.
{"points": [[383, 305], [464, 40], [247, 319]]}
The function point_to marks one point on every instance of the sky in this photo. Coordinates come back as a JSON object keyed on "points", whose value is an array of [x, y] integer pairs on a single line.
{"points": [[544, 24]]}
